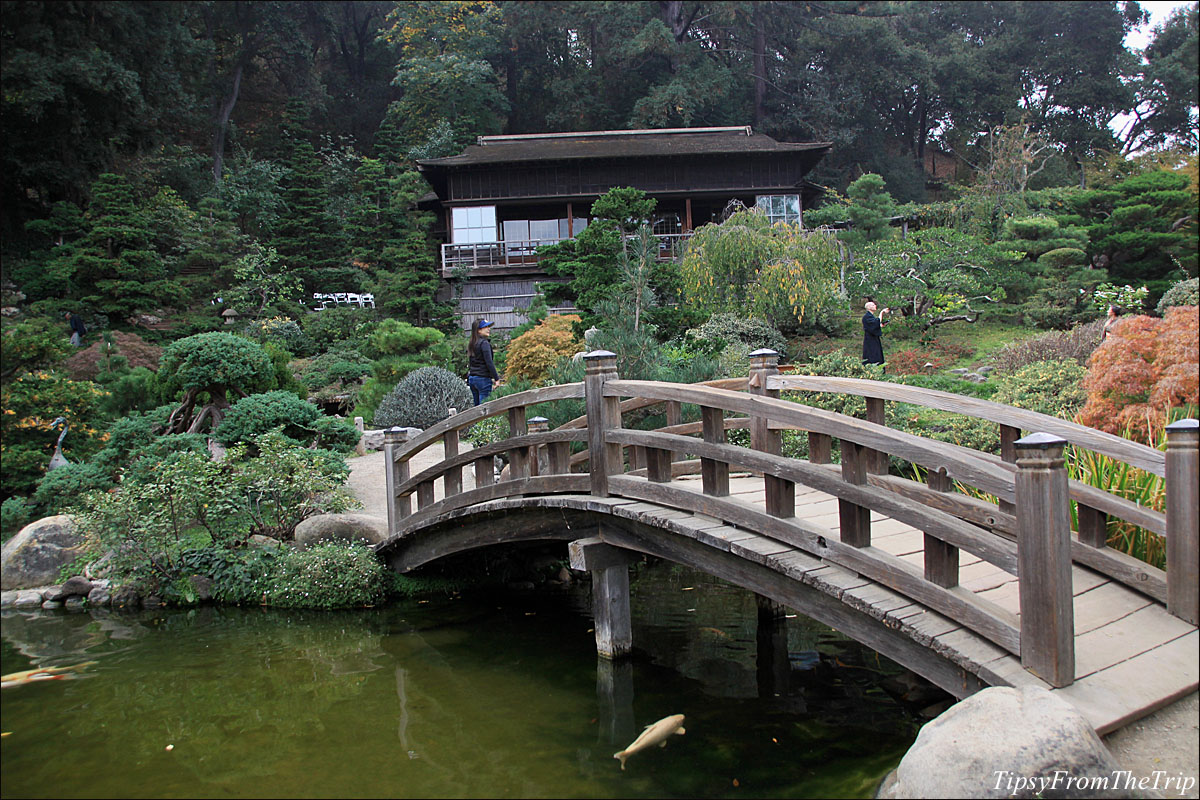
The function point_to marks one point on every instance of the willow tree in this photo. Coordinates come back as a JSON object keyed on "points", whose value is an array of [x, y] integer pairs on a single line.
{"points": [[779, 272]]}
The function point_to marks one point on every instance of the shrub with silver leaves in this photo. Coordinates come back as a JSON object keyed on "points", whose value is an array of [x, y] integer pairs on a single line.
{"points": [[423, 398]]}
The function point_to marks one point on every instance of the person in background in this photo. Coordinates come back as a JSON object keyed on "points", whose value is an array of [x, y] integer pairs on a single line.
{"points": [[481, 372], [1114, 313], [78, 329], [872, 352]]}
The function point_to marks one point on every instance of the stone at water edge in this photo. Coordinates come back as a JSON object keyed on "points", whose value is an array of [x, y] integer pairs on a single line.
{"points": [[35, 555], [985, 745], [77, 586], [99, 596], [342, 528], [30, 598]]}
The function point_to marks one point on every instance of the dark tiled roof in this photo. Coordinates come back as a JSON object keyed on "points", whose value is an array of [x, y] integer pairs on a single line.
{"points": [[621, 144]]}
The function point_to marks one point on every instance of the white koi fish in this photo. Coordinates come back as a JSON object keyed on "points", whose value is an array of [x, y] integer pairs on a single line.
{"points": [[655, 734]]}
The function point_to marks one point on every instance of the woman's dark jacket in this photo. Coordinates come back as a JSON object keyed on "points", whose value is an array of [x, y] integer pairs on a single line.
{"points": [[481, 365]]}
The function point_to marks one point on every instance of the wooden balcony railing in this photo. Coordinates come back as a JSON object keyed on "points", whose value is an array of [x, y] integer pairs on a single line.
{"points": [[518, 255]]}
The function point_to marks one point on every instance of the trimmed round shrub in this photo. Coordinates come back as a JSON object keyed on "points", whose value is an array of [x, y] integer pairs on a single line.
{"points": [[423, 398], [734, 329], [1048, 387], [327, 575], [301, 422], [1184, 293]]}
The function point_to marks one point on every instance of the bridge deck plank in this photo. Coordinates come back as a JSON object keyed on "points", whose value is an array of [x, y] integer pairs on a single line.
{"points": [[1126, 637], [1104, 604]]}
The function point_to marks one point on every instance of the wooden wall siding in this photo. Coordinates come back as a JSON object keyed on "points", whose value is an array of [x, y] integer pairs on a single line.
{"points": [[594, 178], [503, 302]]}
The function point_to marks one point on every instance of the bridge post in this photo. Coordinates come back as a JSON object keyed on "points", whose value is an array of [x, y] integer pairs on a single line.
{"points": [[518, 457], [537, 460], [602, 413], [1044, 559], [1183, 519], [714, 475], [609, 566], [877, 460], [941, 559], [780, 494], [854, 521], [452, 480], [394, 474], [1008, 453]]}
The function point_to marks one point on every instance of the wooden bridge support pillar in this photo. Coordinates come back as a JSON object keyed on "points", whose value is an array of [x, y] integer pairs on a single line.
{"points": [[1183, 519], [780, 494], [614, 696], [603, 413], [395, 473], [773, 666], [1044, 559], [610, 592], [538, 462]]}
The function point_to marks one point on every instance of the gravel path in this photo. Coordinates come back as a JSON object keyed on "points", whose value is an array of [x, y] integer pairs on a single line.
{"points": [[366, 480]]}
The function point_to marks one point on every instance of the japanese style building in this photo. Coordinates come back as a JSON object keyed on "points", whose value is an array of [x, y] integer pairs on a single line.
{"points": [[504, 197]]}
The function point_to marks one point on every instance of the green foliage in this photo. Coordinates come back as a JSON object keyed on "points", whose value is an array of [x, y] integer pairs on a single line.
{"points": [[869, 212], [934, 276], [1184, 293], [28, 406], [1126, 297], [327, 575], [341, 324], [62, 488], [264, 282], [1048, 387], [300, 422], [422, 399], [15, 513], [779, 272], [731, 328], [283, 332], [32, 344], [215, 363]]}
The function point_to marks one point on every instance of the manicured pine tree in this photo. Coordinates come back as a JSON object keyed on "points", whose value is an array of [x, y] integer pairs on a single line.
{"points": [[308, 236]]}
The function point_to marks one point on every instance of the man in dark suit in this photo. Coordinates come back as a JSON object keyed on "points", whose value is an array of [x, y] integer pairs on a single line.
{"points": [[873, 334]]}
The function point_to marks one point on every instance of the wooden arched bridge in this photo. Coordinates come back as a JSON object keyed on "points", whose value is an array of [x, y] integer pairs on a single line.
{"points": [[993, 571]]}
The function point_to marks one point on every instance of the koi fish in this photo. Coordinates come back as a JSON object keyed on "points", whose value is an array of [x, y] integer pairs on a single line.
{"points": [[40, 674], [655, 734]]}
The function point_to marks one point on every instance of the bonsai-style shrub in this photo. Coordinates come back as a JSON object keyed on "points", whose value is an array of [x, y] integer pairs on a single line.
{"points": [[300, 422], [212, 364], [1144, 368], [423, 398], [533, 353]]}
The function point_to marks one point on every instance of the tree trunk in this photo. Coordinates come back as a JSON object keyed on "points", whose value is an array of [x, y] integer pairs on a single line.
{"points": [[760, 65], [223, 115]]}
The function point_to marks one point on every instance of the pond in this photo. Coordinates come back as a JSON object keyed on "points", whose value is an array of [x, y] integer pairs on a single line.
{"points": [[493, 694]]}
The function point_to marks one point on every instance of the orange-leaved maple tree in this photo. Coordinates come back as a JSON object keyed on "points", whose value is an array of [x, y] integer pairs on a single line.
{"points": [[1145, 367]]}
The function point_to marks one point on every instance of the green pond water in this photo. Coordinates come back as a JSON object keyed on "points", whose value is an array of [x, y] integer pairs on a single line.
{"points": [[495, 694]]}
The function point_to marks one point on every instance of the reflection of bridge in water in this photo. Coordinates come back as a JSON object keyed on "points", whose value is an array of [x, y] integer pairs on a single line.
{"points": [[964, 591]]}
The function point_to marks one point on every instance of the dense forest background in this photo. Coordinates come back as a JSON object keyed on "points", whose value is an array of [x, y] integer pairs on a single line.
{"points": [[262, 112]]}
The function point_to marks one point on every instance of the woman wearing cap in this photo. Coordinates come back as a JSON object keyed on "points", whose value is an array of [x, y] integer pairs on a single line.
{"points": [[481, 374]]}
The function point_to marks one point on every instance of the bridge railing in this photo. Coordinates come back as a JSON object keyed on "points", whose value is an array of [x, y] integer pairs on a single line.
{"points": [[1027, 535]]}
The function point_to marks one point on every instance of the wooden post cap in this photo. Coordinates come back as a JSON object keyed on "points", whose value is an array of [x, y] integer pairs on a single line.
{"points": [[765, 353], [538, 424], [395, 435], [598, 354], [1040, 441], [1183, 426]]}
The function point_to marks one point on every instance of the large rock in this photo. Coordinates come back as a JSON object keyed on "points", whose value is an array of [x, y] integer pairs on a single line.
{"points": [[35, 555], [342, 528], [1004, 742]]}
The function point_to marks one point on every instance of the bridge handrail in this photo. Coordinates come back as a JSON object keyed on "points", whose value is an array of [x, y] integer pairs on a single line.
{"points": [[527, 440], [1137, 455], [463, 419], [637, 403], [991, 477]]}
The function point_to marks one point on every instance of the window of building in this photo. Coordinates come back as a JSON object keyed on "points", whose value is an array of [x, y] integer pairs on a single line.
{"points": [[474, 224], [780, 207], [667, 224]]}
